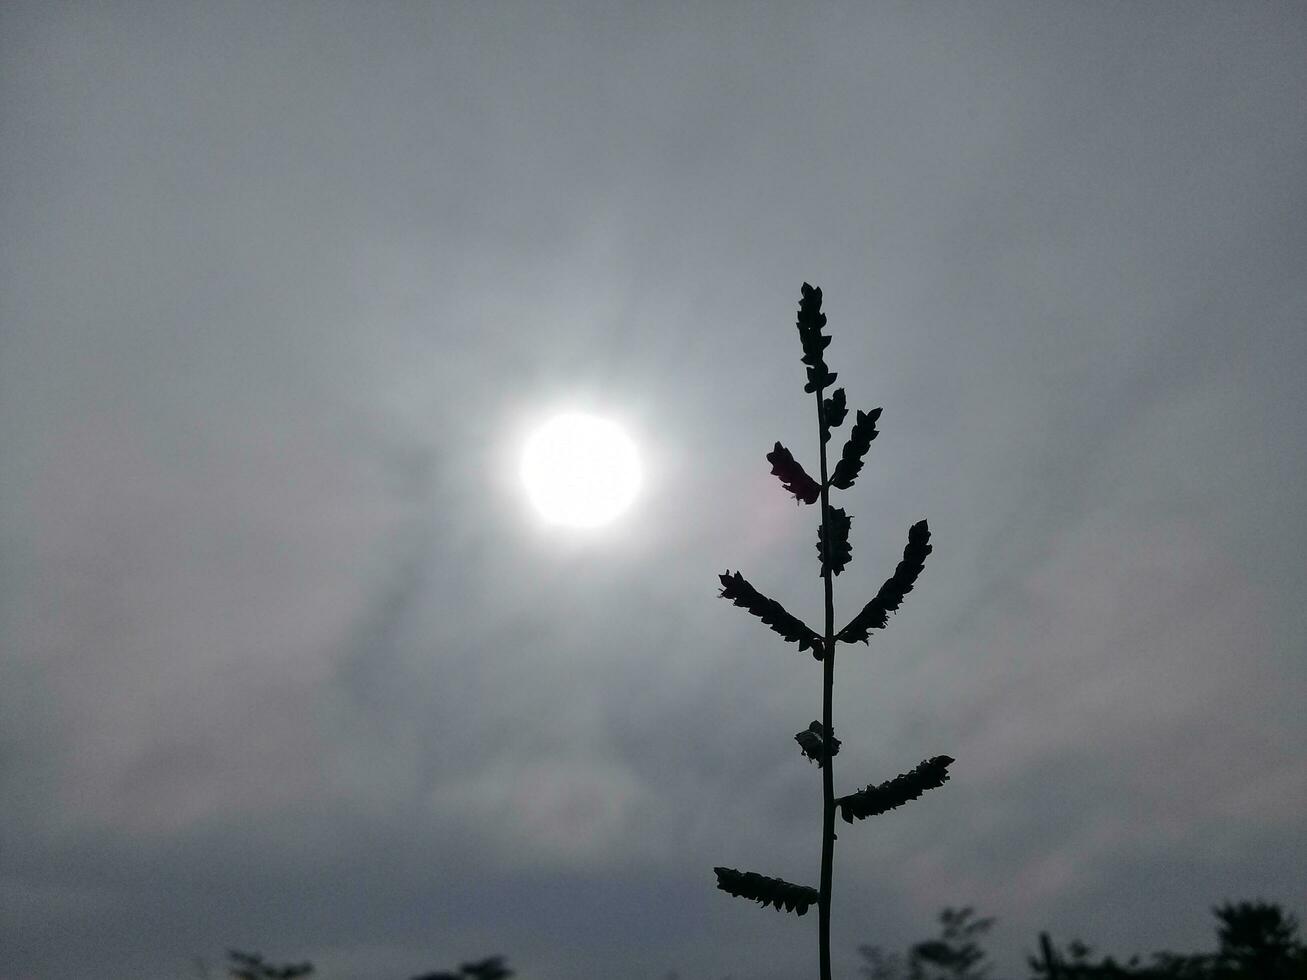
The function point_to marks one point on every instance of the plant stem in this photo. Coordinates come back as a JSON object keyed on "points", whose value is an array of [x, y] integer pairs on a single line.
{"points": [[828, 685]]}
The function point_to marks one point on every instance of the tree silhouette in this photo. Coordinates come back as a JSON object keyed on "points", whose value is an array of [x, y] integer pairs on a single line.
{"points": [[1256, 941], [956, 954], [252, 966], [818, 742], [492, 968], [880, 965]]}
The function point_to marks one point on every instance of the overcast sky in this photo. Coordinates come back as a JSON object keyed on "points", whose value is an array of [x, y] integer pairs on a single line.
{"points": [[286, 660]]}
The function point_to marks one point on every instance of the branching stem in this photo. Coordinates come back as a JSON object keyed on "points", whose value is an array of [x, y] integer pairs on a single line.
{"points": [[833, 544], [827, 689]]}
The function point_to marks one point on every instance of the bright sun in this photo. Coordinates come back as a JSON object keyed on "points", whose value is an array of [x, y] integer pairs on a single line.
{"points": [[580, 470]]}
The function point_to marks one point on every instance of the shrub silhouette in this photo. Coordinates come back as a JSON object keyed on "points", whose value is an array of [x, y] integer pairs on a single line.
{"points": [[955, 954], [1256, 941], [818, 742], [252, 966], [487, 969]]}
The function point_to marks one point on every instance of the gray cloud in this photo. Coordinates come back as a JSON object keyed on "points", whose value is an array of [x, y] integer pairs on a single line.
{"points": [[289, 665]]}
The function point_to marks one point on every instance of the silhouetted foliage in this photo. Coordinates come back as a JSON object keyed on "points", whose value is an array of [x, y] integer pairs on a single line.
{"points": [[252, 966], [875, 614], [792, 476], [1256, 941], [771, 612], [893, 793], [809, 322], [860, 437], [837, 552], [1258, 938], [1077, 962], [880, 965], [834, 552], [767, 891], [833, 410], [956, 953], [493, 968], [812, 742]]}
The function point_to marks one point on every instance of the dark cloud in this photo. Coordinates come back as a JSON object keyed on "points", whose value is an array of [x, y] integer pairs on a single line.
{"points": [[288, 665]]}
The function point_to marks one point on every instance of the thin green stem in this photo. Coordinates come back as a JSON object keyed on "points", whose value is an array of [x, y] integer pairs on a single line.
{"points": [[828, 686]]}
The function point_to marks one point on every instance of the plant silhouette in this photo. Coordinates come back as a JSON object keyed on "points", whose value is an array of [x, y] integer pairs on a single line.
{"points": [[1258, 939], [1255, 941], [252, 966], [956, 954], [492, 968], [818, 742]]}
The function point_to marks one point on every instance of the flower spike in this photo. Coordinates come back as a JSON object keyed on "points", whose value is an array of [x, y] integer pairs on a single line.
{"points": [[792, 476], [833, 410], [771, 612], [837, 552], [860, 437], [875, 614], [810, 322], [767, 891], [893, 793]]}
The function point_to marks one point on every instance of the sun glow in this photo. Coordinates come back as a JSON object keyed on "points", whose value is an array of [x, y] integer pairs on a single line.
{"points": [[580, 470]]}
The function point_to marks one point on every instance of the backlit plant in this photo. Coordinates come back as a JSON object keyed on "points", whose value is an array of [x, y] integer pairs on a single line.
{"points": [[818, 742]]}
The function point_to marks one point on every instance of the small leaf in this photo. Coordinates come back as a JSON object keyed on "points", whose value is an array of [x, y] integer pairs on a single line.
{"points": [[767, 891], [810, 741], [833, 410], [838, 552], [875, 614], [792, 475], [894, 793], [771, 612], [860, 437]]}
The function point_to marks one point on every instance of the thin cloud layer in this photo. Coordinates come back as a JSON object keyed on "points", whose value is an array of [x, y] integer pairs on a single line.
{"points": [[288, 663]]}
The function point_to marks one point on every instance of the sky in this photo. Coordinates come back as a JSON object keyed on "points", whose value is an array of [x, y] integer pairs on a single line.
{"points": [[288, 663]]}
